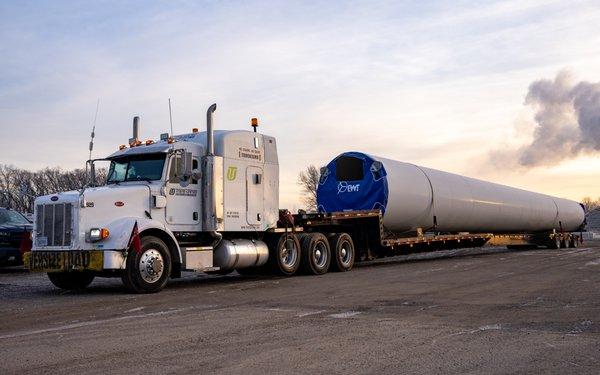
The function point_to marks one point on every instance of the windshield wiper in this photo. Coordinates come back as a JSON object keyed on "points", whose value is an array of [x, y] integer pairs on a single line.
{"points": [[140, 178]]}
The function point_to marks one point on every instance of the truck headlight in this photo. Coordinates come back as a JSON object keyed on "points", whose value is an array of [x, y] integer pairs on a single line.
{"points": [[97, 234]]}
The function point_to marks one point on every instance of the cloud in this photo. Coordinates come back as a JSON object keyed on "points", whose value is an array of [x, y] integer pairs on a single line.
{"points": [[567, 123]]}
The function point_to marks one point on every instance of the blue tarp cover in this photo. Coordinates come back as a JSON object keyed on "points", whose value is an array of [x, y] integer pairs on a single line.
{"points": [[367, 194]]}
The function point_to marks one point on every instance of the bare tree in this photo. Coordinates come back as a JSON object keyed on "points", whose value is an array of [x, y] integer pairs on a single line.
{"points": [[19, 187], [309, 181], [589, 204]]}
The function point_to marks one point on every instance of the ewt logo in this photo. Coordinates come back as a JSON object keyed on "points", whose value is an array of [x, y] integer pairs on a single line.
{"points": [[345, 187]]}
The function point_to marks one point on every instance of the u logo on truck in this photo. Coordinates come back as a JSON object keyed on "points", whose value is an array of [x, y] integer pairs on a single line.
{"points": [[231, 173]]}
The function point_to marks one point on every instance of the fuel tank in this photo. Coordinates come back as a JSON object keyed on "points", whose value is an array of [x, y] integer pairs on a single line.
{"points": [[240, 253], [412, 197]]}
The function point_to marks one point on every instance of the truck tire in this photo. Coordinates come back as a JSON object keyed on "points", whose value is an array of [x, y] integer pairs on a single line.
{"points": [[316, 254], [554, 243], [573, 242], [342, 252], [71, 280], [148, 270], [284, 254]]}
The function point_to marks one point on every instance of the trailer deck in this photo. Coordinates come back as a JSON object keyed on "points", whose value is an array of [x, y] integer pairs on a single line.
{"points": [[368, 229]]}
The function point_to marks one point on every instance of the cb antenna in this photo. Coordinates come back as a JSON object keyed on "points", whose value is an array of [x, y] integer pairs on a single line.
{"points": [[170, 117], [94, 129]]}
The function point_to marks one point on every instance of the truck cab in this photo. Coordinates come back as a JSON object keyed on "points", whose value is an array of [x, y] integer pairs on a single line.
{"points": [[199, 201]]}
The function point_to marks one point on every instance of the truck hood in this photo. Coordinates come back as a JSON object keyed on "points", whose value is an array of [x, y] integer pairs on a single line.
{"points": [[99, 207]]}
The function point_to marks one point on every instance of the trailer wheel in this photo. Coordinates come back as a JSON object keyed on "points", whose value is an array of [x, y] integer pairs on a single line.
{"points": [[573, 242], [284, 254], [148, 270], [554, 243], [316, 253], [71, 280], [342, 252]]}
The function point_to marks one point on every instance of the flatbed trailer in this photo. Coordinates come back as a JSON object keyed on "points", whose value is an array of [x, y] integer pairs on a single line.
{"points": [[373, 240]]}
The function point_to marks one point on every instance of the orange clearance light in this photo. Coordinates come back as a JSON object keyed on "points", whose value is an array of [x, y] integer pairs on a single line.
{"points": [[149, 142], [194, 130], [170, 140], [121, 147], [104, 233], [137, 143], [254, 121]]}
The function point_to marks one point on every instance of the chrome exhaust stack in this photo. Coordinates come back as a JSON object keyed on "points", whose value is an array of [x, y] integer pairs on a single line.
{"points": [[210, 134], [212, 167]]}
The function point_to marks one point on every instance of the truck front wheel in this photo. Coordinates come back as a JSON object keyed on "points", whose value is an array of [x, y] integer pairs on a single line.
{"points": [[148, 270], [71, 280]]}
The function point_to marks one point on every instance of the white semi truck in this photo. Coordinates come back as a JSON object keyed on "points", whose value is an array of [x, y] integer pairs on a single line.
{"points": [[209, 202]]}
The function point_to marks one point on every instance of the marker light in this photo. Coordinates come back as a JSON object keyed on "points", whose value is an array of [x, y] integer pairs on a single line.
{"points": [[122, 147], [149, 142], [170, 140], [254, 121], [98, 234], [194, 130]]}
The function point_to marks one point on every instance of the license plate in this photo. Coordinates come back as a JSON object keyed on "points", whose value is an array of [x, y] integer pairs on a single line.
{"points": [[56, 261]]}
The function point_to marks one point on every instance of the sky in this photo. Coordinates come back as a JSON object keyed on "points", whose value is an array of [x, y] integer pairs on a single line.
{"points": [[435, 83]]}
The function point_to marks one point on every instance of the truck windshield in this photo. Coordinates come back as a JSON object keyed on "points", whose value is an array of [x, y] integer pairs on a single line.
{"points": [[147, 167]]}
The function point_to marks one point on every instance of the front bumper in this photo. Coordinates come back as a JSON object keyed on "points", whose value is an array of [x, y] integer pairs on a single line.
{"points": [[74, 260]]}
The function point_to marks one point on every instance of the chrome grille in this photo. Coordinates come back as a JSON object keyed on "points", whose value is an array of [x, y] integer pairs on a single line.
{"points": [[54, 224]]}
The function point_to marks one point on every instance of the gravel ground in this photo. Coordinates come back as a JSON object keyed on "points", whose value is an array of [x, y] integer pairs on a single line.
{"points": [[485, 310]]}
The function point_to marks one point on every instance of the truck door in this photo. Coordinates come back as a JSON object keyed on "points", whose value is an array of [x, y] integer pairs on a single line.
{"points": [[254, 195], [183, 197]]}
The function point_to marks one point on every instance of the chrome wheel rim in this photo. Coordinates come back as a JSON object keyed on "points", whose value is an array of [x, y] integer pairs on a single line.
{"points": [[151, 265], [320, 255], [346, 254], [289, 253]]}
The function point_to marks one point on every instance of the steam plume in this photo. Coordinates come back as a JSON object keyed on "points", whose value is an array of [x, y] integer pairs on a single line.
{"points": [[567, 120]]}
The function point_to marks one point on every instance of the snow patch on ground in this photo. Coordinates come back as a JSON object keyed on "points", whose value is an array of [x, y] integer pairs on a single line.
{"points": [[344, 315]]}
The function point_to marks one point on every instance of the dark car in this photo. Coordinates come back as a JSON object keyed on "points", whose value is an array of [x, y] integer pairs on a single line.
{"points": [[15, 237]]}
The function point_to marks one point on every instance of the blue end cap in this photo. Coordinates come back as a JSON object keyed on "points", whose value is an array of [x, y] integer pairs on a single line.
{"points": [[349, 188]]}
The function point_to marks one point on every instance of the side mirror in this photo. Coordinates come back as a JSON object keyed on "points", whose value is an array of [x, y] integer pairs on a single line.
{"points": [[92, 173], [187, 165], [184, 166]]}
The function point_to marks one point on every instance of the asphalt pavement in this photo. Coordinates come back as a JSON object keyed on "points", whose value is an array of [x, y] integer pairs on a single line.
{"points": [[487, 310]]}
